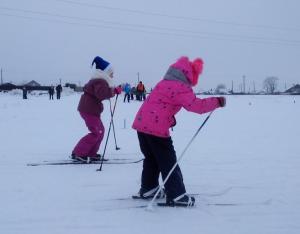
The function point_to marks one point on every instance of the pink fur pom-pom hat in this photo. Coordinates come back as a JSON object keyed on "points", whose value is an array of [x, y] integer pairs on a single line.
{"points": [[191, 69]]}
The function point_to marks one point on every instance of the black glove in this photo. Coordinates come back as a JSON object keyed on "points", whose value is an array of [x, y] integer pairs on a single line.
{"points": [[222, 101]]}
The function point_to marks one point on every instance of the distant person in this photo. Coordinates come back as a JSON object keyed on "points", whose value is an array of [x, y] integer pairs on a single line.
{"points": [[132, 92], [90, 107], [144, 95], [51, 92], [24, 90], [152, 123], [127, 89], [58, 91], [140, 89]]}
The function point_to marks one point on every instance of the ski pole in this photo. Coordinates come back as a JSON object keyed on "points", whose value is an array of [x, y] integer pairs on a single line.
{"points": [[150, 205], [112, 113], [113, 126]]}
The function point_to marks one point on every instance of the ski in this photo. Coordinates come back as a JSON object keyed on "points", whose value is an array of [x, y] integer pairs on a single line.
{"points": [[75, 162], [141, 203], [164, 204], [126, 203], [224, 204], [213, 194], [137, 197]]}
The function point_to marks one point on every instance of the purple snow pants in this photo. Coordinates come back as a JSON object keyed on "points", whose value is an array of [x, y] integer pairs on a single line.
{"points": [[90, 143]]}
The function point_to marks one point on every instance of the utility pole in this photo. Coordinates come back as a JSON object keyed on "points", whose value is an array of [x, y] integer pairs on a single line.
{"points": [[232, 86], [254, 91], [1, 76], [244, 83], [138, 75]]}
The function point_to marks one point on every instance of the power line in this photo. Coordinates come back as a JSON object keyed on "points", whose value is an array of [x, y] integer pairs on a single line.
{"points": [[149, 26], [146, 28], [182, 17]]}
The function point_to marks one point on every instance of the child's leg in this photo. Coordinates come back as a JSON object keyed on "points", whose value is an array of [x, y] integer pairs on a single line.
{"points": [[150, 173], [100, 132], [91, 140], [165, 155]]}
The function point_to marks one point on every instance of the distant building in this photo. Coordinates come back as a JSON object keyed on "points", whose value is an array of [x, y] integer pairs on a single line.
{"points": [[74, 87], [32, 83], [7, 87], [294, 90]]}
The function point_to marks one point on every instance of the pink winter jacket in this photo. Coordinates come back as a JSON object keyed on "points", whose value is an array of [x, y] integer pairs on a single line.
{"points": [[156, 115]]}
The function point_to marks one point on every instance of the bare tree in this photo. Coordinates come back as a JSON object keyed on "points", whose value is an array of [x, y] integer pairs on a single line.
{"points": [[270, 84]]}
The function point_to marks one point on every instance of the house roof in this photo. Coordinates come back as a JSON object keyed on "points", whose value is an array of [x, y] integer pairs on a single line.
{"points": [[294, 89], [33, 83], [7, 86]]}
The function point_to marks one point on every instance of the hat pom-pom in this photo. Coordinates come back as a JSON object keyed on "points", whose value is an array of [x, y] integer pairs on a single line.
{"points": [[197, 66]]}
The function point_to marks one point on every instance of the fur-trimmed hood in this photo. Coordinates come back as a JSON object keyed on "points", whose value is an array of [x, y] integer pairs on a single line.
{"points": [[99, 74]]}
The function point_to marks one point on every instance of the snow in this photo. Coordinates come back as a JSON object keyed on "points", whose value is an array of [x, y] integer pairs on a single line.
{"points": [[246, 155]]}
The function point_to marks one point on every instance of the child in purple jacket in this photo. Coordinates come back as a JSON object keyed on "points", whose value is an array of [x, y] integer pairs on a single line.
{"points": [[153, 121], [90, 108]]}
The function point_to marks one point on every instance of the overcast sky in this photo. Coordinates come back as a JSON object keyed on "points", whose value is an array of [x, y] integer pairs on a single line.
{"points": [[48, 40]]}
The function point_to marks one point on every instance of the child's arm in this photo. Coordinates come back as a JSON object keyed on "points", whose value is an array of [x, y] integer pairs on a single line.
{"points": [[190, 102], [103, 91]]}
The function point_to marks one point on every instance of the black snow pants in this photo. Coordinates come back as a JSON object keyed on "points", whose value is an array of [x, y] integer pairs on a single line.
{"points": [[160, 157]]}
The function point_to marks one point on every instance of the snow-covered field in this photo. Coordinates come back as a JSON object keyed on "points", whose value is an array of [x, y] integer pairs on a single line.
{"points": [[247, 157]]}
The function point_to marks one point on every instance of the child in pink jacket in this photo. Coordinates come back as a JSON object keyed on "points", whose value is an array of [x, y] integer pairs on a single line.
{"points": [[153, 121], [90, 108]]}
